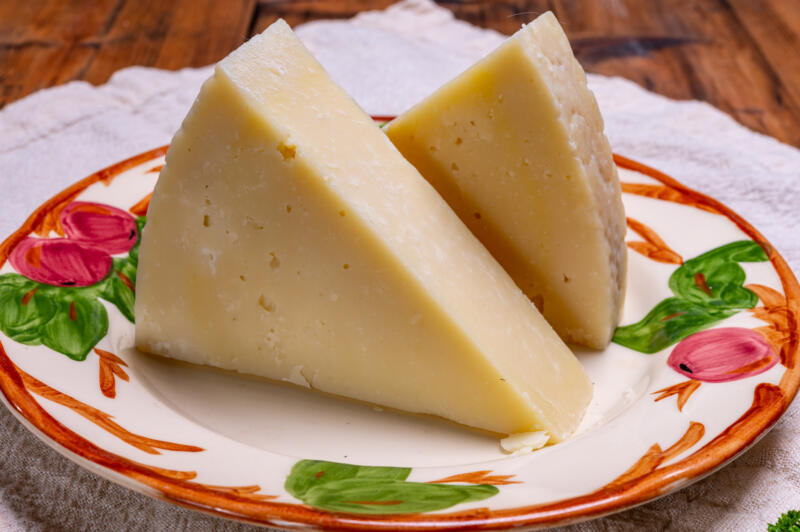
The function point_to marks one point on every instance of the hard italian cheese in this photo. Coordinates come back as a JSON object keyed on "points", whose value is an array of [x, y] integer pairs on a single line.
{"points": [[287, 238], [515, 145]]}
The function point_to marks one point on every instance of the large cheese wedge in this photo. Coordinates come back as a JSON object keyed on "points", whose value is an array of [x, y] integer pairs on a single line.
{"points": [[515, 145], [288, 238]]}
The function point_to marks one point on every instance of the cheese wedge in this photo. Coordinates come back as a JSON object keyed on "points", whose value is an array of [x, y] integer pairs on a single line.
{"points": [[515, 145], [287, 238]]}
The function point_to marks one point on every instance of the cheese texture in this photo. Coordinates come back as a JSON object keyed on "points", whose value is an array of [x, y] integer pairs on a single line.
{"points": [[515, 145], [287, 238]]}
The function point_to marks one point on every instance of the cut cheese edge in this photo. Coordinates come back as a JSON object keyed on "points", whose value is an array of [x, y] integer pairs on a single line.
{"points": [[515, 145], [287, 238]]}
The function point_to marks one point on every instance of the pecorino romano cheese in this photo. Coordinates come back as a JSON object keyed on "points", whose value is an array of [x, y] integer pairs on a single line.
{"points": [[287, 238], [515, 145]]}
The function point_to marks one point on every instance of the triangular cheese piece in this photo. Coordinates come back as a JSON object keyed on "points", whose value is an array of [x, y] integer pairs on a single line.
{"points": [[515, 145], [288, 238]]}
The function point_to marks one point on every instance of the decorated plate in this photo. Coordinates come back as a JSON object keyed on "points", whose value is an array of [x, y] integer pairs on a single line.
{"points": [[704, 363]]}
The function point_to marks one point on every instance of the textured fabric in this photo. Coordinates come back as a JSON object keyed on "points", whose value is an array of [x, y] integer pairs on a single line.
{"points": [[387, 61]]}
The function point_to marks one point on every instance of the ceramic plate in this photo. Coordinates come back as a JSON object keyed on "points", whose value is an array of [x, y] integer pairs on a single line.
{"points": [[704, 364]]}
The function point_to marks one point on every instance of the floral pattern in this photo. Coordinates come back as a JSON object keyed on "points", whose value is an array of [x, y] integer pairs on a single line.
{"points": [[60, 262], [376, 490], [34, 303], [54, 299], [707, 289], [102, 227], [722, 355]]}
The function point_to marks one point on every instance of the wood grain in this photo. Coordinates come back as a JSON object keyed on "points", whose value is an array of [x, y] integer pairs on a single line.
{"points": [[170, 34], [298, 11], [739, 55]]}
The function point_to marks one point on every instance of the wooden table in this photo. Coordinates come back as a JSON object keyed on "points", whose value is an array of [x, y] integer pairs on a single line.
{"points": [[743, 56]]}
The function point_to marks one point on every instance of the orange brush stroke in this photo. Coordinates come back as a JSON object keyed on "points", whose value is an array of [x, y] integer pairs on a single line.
{"points": [[140, 207], [654, 456], [34, 256], [700, 282], [100, 418], [645, 465], [778, 341], [769, 296], [653, 247], [248, 492], [51, 221], [478, 477], [171, 473], [666, 193], [781, 315], [673, 315], [752, 366], [91, 208], [110, 366], [683, 390], [28, 296], [125, 280]]}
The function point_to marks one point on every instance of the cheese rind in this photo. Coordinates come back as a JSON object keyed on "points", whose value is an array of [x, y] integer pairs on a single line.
{"points": [[515, 145], [288, 238]]}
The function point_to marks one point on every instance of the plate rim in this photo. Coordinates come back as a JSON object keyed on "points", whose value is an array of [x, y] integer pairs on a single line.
{"points": [[769, 403]]}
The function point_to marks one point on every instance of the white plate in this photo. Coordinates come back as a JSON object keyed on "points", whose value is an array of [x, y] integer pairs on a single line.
{"points": [[272, 454]]}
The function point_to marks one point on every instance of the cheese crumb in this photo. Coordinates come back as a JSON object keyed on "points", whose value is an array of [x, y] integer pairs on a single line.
{"points": [[525, 442]]}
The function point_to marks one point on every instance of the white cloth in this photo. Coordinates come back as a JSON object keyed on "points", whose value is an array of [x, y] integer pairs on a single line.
{"points": [[387, 60]]}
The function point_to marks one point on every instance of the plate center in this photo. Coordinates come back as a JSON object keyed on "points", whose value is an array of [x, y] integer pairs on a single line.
{"points": [[288, 420]]}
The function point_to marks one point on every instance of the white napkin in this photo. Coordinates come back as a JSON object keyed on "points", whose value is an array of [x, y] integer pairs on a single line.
{"points": [[387, 60]]}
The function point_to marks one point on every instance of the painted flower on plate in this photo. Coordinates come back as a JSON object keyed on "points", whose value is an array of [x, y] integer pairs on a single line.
{"points": [[60, 261], [722, 355], [104, 227]]}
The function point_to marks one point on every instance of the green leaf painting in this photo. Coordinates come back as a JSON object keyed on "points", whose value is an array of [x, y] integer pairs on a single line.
{"points": [[707, 289], [24, 308], [117, 286], [349, 488], [77, 325], [54, 300]]}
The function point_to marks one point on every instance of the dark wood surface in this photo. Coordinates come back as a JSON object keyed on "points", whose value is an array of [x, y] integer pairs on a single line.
{"points": [[743, 56]]}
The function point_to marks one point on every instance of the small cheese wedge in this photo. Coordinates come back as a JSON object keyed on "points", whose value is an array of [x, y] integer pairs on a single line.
{"points": [[287, 238], [515, 145]]}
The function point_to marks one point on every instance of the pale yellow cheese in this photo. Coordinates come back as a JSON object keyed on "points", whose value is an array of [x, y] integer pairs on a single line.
{"points": [[515, 145], [288, 238]]}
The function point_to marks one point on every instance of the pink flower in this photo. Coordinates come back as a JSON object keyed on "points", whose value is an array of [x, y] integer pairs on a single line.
{"points": [[722, 355], [100, 226], [60, 261]]}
